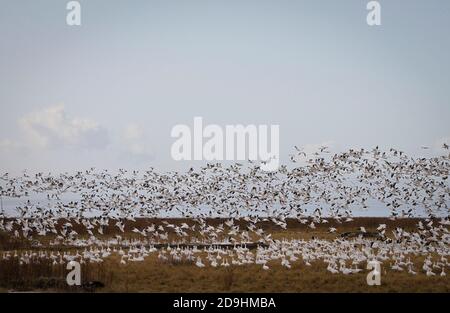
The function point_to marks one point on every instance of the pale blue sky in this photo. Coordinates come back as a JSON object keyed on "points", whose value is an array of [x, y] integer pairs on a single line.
{"points": [[134, 69]]}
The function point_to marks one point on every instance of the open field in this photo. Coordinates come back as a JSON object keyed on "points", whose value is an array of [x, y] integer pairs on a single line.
{"points": [[154, 274]]}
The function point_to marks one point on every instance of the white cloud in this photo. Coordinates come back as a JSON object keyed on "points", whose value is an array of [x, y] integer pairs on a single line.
{"points": [[133, 132], [136, 142], [9, 145], [51, 127]]}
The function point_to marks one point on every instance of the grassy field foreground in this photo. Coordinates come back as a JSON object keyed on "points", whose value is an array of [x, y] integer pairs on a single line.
{"points": [[156, 275], [152, 276]]}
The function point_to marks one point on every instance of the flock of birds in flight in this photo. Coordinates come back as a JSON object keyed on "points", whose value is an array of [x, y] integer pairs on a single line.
{"points": [[325, 187]]}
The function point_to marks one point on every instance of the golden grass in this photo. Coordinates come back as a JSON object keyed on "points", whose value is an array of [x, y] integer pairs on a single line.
{"points": [[154, 275]]}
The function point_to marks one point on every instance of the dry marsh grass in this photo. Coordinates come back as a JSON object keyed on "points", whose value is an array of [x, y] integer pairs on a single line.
{"points": [[156, 275], [41, 274], [151, 276]]}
